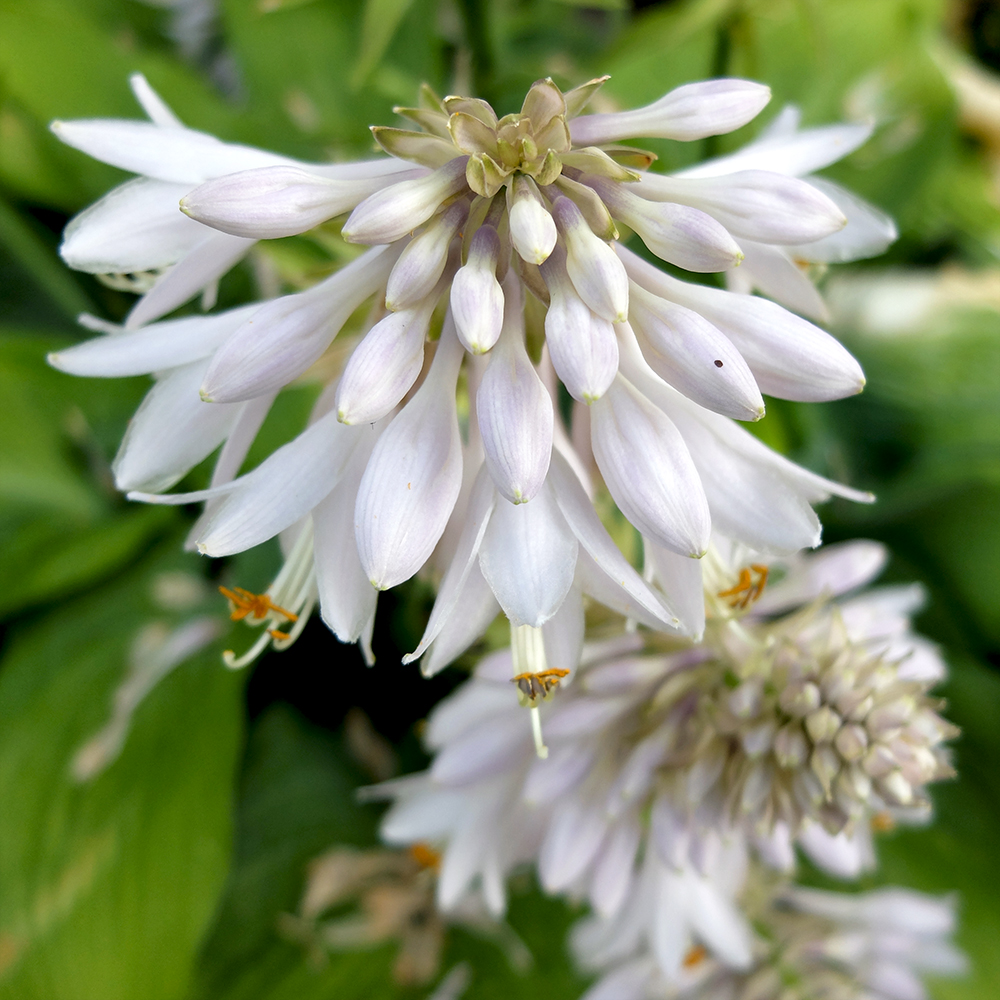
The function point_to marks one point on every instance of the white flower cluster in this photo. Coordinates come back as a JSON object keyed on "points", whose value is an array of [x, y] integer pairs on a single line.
{"points": [[494, 273], [670, 777], [686, 762]]}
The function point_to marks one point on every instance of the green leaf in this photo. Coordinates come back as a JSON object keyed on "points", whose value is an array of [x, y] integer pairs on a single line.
{"points": [[108, 886], [381, 19]]}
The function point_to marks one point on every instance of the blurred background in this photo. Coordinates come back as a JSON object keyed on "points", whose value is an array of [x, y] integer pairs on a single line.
{"points": [[159, 811]]}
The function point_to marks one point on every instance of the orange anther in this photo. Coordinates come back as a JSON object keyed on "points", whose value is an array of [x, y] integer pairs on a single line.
{"points": [[882, 822], [425, 856], [747, 590], [540, 685], [277, 634], [694, 957], [258, 606]]}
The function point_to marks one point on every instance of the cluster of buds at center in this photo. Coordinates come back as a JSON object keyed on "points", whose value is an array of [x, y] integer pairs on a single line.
{"points": [[821, 728]]}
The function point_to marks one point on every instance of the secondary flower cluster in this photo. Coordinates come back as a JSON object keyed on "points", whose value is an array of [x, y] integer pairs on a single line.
{"points": [[494, 273], [798, 719]]}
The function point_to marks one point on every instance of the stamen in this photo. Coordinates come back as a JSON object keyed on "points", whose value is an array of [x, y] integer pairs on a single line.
{"points": [[536, 728], [246, 602], [747, 590], [535, 687], [425, 855], [882, 822], [694, 957]]}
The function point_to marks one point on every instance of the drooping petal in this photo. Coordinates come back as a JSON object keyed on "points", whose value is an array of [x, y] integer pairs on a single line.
{"points": [[613, 872], [469, 620], [163, 345], [285, 336], [135, 227], [680, 579], [693, 111], [414, 476], [760, 205], [582, 346], [789, 357], [574, 837], [528, 557], [171, 432], [391, 213], [150, 101], [514, 409], [620, 585], [868, 232], [695, 357], [771, 270], [593, 267], [285, 487], [480, 507], [202, 265], [648, 471], [788, 152], [346, 597]]}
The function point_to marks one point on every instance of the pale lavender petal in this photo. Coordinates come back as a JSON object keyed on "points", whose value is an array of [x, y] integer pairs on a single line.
{"points": [[648, 471]]}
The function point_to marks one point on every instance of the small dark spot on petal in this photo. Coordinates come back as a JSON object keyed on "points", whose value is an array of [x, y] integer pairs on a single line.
{"points": [[718, 364]]}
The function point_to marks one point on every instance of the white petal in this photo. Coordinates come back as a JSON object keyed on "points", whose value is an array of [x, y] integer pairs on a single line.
{"points": [[788, 356], [397, 210], [868, 232], [621, 587], [682, 235], [171, 432], [760, 205], [285, 336], [558, 774], [582, 346], [480, 507], [206, 262], [794, 154], [562, 634], [155, 107], [680, 579], [595, 270], [178, 155], [285, 487], [471, 616], [138, 226], [833, 570], [477, 301], [487, 751], [532, 229], [163, 345], [514, 409], [684, 349], [693, 111], [414, 476], [574, 836], [346, 598], [271, 202], [648, 471], [528, 557], [770, 270], [384, 366], [423, 259], [613, 871], [718, 923]]}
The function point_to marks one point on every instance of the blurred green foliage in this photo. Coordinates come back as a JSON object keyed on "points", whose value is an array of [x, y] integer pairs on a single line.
{"points": [[164, 876]]}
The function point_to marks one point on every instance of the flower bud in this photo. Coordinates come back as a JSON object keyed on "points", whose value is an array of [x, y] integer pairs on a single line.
{"points": [[477, 301], [799, 699], [532, 229], [791, 749], [422, 262], [822, 725], [851, 742]]}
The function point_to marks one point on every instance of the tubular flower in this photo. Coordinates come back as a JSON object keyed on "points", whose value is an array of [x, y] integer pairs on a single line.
{"points": [[773, 730], [493, 272], [805, 943]]}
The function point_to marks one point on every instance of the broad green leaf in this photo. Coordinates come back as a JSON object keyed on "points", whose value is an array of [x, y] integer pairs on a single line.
{"points": [[108, 886]]}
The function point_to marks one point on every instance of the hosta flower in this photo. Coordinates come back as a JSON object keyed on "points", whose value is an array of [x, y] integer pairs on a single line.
{"points": [[771, 730], [805, 943], [494, 270]]}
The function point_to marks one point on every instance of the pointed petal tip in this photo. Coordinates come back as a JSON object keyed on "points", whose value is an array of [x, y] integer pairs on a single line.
{"points": [[205, 396]]}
